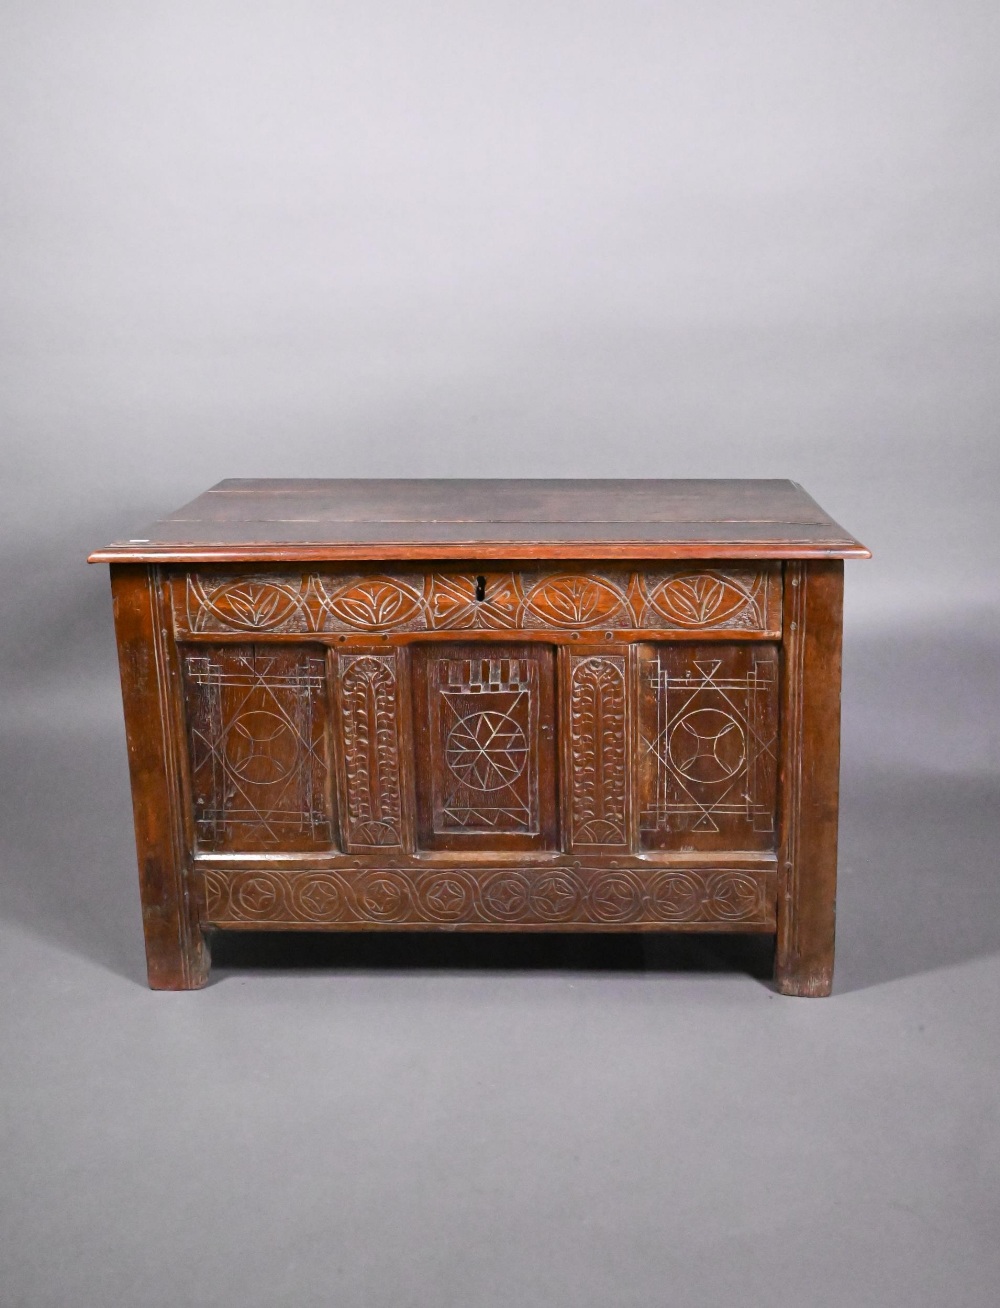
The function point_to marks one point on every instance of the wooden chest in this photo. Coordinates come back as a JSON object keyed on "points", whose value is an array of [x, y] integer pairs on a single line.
{"points": [[485, 706]]}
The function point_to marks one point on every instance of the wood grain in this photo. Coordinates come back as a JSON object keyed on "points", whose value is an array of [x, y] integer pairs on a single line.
{"points": [[810, 778], [176, 952], [244, 521]]}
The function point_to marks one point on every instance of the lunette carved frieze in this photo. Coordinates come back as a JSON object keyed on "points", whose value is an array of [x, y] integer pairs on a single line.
{"points": [[597, 898], [744, 600]]}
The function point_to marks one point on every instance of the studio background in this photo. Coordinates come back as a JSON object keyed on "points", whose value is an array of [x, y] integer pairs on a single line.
{"points": [[637, 240]]}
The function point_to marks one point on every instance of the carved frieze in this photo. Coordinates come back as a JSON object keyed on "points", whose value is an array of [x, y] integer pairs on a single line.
{"points": [[744, 600], [482, 896]]}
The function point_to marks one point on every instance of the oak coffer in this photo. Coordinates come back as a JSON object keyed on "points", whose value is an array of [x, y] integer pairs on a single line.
{"points": [[485, 706]]}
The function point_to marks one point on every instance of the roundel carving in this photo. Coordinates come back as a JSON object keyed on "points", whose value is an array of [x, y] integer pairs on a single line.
{"points": [[318, 896], [677, 896], [574, 600], [445, 896], [616, 897], [383, 896], [733, 896], [258, 897], [555, 896], [504, 895]]}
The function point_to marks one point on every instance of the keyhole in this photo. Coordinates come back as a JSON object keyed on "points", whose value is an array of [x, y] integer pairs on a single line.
{"points": [[480, 588]]}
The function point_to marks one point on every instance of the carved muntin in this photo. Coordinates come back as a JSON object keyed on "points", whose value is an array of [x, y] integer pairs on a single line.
{"points": [[371, 737]]}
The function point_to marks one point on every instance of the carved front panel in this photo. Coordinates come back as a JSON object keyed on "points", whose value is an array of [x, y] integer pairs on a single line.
{"points": [[708, 746], [257, 720], [368, 701], [486, 765], [493, 898], [703, 598], [598, 722]]}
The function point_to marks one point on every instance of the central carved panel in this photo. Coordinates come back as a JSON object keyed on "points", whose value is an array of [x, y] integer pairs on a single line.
{"points": [[485, 731]]}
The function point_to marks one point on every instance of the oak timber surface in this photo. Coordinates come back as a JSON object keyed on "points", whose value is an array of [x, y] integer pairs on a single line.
{"points": [[305, 519]]}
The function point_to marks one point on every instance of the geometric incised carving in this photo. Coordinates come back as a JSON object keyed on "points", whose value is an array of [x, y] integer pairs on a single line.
{"points": [[256, 718], [454, 603], [369, 740], [735, 597], [708, 748], [599, 898], [598, 725], [487, 717], [485, 721]]}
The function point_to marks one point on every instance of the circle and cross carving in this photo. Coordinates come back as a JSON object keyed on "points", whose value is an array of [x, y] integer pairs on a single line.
{"points": [[707, 745]]}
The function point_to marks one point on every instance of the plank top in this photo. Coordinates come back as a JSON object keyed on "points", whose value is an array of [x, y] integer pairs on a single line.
{"points": [[333, 519]]}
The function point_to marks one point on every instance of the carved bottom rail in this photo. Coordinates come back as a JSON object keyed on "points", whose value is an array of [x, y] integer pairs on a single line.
{"points": [[596, 899]]}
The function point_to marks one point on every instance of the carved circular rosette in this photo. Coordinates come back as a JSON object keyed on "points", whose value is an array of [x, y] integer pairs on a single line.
{"points": [[318, 897], [733, 896], [383, 896], [446, 896], [616, 897], [677, 896], [257, 897], [555, 896], [505, 896]]}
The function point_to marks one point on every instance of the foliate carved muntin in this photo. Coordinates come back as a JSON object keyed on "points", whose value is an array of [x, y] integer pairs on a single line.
{"points": [[369, 690], [492, 897], [708, 746], [257, 727], [744, 600], [598, 728]]}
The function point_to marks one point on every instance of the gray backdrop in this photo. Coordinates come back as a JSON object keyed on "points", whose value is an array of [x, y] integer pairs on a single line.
{"points": [[493, 239]]}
